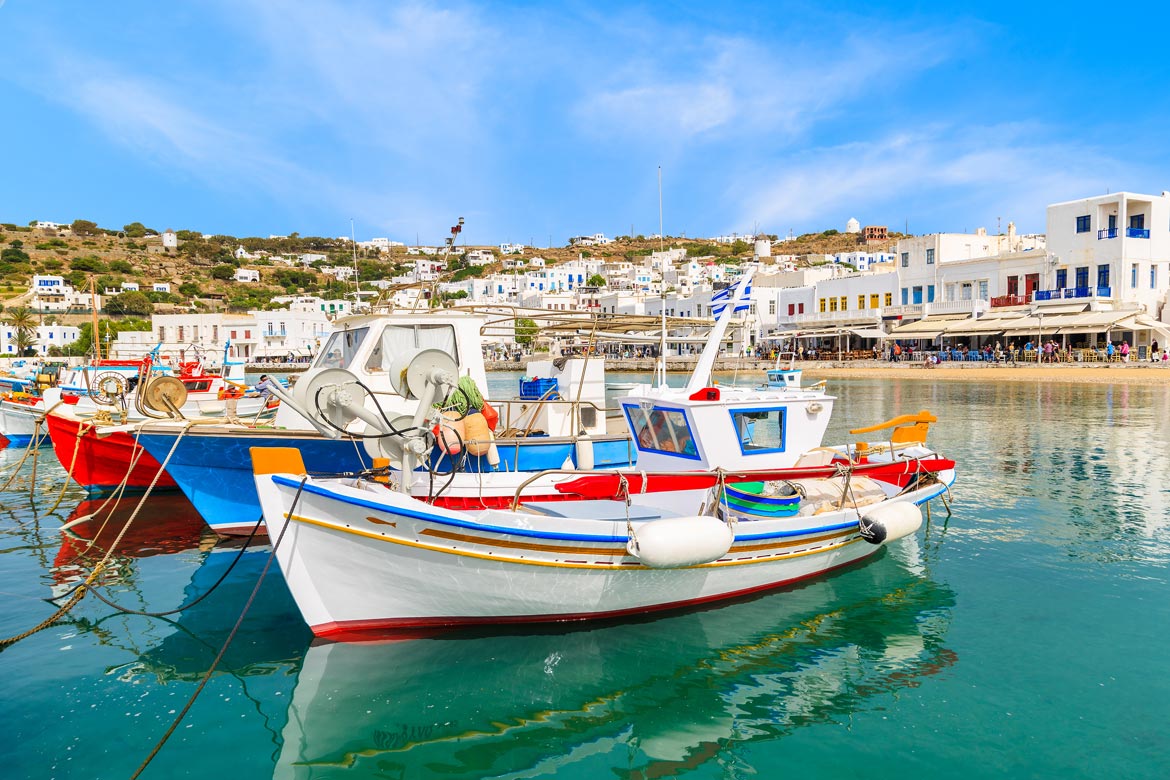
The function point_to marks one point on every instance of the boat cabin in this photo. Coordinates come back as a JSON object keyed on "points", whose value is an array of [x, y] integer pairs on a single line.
{"points": [[725, 427]]}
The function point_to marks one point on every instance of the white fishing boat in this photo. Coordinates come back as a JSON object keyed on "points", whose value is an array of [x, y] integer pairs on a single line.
{"points": [[365, 554]]}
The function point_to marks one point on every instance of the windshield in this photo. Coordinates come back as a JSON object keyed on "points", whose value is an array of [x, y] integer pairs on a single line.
{"points": [[339, 350], [402, 339]]}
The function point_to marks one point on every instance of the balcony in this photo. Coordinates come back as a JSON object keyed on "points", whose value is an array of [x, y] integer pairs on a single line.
{"points": [[1101, 291], [1010, 300], [274, 334], [1107, 233], [1137, 232]]}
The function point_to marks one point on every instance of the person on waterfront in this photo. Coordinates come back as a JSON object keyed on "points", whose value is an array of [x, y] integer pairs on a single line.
{"points": [[1012, 350], [1109, 351], [1154, 352], [1124, 351]]}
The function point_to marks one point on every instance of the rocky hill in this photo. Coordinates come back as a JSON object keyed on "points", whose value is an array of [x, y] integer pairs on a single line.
{"points": [[201, 270]]}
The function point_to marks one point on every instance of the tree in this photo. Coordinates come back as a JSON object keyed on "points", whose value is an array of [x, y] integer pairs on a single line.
{"points": [[83, 227], [121, 266], [131, 302], [597, 280], [24, 329], [88, 264], [135, 230], [526, 330], [225, 272], [189, 289]]}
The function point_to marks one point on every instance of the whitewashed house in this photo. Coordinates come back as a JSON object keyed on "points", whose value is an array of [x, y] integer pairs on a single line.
{"points": [[247, 275]]}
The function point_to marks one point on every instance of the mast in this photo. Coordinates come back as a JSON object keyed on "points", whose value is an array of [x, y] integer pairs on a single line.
{"points": [[97, 341]]}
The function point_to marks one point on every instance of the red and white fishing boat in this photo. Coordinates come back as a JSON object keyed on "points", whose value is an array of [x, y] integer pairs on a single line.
{"points": [[93, 425]]}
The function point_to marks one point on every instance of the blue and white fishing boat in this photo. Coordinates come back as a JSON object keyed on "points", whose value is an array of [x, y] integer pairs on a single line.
{"points": [[373, 352], [363, 556]]}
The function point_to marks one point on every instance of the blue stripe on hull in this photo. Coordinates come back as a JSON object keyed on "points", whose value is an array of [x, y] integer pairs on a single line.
{"points": [[22, 440], [215, 472]]}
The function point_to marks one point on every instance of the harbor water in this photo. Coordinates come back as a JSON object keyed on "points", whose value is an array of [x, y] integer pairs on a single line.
{"points": [[1025, 635]]}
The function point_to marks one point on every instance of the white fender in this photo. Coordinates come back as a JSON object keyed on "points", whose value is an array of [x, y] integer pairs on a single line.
{"points": [[889, 521], [584, 455], [673, 542]]}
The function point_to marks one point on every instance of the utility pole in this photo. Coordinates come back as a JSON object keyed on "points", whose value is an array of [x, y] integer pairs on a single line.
{"points": [[660, 239]]}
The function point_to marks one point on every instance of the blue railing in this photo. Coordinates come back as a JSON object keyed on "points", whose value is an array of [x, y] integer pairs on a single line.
{"points": [[1137, 232], [1101, 291], [1107, 233]]}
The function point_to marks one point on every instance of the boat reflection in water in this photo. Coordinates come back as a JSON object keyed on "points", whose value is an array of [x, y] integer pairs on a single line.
{"points": [[645, 699], [184, 644], [167, 524]]}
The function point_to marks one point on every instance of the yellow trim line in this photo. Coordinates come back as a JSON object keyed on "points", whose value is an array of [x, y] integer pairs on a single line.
{"points": [[572, 565]]}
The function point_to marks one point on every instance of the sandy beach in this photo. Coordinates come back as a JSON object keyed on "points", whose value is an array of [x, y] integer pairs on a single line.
{"points": [[1130, 374]]}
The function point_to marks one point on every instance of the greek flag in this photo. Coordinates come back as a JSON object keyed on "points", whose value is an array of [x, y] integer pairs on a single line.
{"points": [[743, 298]]}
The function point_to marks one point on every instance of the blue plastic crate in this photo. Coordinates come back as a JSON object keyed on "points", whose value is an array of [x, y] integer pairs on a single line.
{"points": [[535, 389]]}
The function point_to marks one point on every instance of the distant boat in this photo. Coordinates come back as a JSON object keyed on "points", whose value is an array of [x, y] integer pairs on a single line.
{"points": [[621, 385]]}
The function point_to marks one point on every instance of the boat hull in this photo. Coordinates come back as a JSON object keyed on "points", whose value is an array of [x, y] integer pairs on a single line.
{"points": [[214, 468], [18, 423], [361, 564], [100, 463]]}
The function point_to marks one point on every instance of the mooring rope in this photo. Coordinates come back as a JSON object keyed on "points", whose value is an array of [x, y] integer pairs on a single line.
{"points": [[222, 577], [81, 590], [227, 642]]}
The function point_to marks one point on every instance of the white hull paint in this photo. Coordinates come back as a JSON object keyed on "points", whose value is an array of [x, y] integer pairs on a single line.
{"points": [[359, 560]]}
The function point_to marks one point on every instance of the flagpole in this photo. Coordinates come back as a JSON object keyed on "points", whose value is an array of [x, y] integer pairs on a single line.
{"points": [[702, 373]]}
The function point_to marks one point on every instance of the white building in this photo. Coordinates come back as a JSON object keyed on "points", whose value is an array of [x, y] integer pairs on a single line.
{"points": [[53, 294], [47, 336], [863, 260], [247, 275], [170, 240], [852, 226], [161, 287], [1110, 248], [511, 249], [339, 272]]}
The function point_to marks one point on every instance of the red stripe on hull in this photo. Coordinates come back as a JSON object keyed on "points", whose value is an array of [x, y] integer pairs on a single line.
{"points": [[102, 461], [410, 628]]}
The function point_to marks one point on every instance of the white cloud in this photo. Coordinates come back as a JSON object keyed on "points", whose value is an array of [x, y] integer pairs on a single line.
{"points": [[743, 87], [937, 175]]}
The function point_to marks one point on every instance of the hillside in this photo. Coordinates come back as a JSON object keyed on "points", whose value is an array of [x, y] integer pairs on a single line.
{"points": [[201, 270]]}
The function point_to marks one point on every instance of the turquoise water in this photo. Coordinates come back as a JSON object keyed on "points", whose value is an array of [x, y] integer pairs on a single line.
{"points": [[1025, 636]]}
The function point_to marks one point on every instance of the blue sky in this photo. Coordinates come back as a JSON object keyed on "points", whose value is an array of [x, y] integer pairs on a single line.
{"points": [[538, 121]]}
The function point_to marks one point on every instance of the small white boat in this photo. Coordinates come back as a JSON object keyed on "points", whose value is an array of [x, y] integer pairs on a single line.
{"points": [[361, 559]]}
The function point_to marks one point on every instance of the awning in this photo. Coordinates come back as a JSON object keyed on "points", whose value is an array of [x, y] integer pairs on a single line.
{"points": [[926, 328], [869, 333], [1087, 322], [985, 326], [1070, 308]]}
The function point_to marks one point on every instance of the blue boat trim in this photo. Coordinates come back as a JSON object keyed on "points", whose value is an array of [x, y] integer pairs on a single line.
{"points": [[441, 520]]}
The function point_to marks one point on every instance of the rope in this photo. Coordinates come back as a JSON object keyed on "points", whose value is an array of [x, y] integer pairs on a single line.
{"points": [[32, 445], [82, 429], [227, 642], [222, 577], [80, 592]]}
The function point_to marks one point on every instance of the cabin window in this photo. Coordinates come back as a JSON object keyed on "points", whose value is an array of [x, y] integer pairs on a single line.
{"points": [[399, 339], [340, 349], [662, 430], [759, 430], [201, 386]]}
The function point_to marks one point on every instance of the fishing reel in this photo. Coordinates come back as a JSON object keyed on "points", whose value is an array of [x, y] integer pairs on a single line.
{"points": [[109, 389], [162, 397]]}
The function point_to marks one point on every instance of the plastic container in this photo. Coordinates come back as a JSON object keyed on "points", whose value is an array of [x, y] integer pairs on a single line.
{"points": [[535, 389]]}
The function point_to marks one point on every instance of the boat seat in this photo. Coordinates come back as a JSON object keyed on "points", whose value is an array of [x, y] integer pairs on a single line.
{"points": [[601, 509]]}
